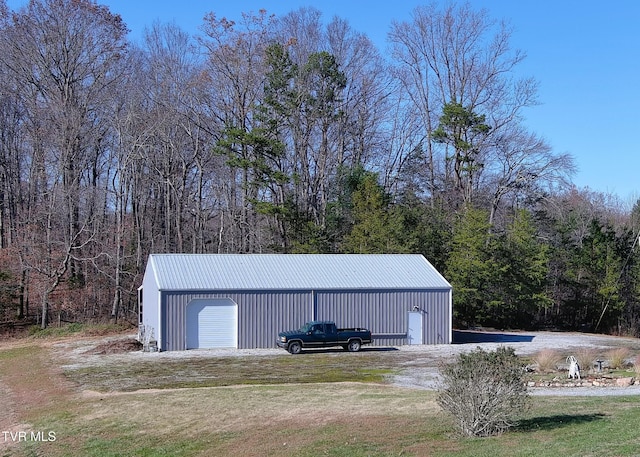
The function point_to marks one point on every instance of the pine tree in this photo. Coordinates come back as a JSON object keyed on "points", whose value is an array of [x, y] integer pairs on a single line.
{"points": [[521, 288], [376, 228], [471, 269]]}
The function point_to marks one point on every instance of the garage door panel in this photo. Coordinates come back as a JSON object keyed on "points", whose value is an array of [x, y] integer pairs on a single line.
{"points": [[212, 323]]}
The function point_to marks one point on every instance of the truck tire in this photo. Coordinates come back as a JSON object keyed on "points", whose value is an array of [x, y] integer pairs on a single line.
{"points": [[354, 345], [294, 347]]}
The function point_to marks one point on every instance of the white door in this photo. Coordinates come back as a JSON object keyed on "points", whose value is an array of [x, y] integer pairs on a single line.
{"points": [[415, 333], [212, 323]]}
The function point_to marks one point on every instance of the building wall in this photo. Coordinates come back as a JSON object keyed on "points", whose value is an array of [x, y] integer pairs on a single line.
{"points": [[150, 307], [385, 312], [262, 314]]}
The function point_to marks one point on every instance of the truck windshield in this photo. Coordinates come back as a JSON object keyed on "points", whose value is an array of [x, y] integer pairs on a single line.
{"points": [[305, 328]]}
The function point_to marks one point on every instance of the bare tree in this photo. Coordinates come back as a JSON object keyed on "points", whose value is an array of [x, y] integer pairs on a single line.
{"points": [[172, 88], [64, 54], [13, 166], [236, 71], [461, 57], [522, 164], [338, 109]]}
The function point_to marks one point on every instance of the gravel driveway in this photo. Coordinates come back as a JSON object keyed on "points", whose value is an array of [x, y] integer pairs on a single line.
{"points": [[419, 363], [524, 344]]}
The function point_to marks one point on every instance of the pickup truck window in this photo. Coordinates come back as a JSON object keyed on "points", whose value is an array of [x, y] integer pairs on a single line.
{"points": [[317, 329], [305, 328]]}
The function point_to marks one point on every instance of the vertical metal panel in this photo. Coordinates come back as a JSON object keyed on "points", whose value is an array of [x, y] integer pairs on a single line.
{"points": [[262, 314], [384, 312], [437, 315]]}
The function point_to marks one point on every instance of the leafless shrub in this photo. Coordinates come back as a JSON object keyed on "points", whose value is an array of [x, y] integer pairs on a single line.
{"points": [[618, 357], [547, 360], [483, 391]]}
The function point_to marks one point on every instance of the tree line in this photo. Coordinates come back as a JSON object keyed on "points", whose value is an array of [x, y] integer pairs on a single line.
{"points": [[292, 134]]}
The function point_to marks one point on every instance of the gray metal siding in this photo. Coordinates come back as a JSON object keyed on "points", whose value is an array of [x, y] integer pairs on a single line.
{"points": [[261, 315], [385, 312], [437, 317]]}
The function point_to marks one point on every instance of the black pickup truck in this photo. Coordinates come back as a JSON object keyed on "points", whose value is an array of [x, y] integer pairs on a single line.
{"points": [[318, 334]]}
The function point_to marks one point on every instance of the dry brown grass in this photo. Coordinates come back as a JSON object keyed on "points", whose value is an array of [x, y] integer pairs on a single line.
{"points": [[547, 360], [303, 419], [233, 409], [586, 357], [30, 387], [618, 357], [263, 420], [636, 365]]}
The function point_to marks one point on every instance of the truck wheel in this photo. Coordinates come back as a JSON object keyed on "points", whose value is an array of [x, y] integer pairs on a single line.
{"points": [[354, 346], [295, 347]]}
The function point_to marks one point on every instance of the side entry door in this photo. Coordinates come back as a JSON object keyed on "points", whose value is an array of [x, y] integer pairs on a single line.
{"points": [[415, 334]]}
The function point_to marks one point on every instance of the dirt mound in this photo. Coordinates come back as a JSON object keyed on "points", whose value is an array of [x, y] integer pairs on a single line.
{"points": [[117, 347]]}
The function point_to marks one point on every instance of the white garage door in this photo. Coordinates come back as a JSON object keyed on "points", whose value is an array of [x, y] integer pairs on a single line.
{"points": [[212, 323]]}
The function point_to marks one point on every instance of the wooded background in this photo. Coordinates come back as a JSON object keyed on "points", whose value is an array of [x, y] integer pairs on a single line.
{"points": [[294, 135]]}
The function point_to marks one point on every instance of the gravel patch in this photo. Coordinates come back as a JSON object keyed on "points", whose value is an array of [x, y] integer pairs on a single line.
{"points": [[418, 364], [584, 391], [524, 344]]}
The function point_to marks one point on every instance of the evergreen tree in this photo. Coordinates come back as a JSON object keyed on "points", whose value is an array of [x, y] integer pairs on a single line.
{"points": [[520, 291], [376, 227], [592, 278], [471, 269], [464, 131], [426, 228], [602, 260]]}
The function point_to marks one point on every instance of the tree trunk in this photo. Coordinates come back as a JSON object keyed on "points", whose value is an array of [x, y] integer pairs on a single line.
{"points": [[45, 311]]}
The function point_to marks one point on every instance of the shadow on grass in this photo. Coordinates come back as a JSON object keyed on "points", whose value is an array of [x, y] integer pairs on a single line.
{"points": [[335, 350], [469, 336], [557, 421]]}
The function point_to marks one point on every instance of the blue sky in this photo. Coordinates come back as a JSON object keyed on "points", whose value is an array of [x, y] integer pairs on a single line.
{"points": [[584, 54]]}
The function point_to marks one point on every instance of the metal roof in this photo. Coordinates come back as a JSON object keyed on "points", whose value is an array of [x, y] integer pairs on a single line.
{"points": [[293, 272]]}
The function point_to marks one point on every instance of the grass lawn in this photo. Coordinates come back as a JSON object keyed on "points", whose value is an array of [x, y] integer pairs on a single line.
{"points": [[322, 405]]}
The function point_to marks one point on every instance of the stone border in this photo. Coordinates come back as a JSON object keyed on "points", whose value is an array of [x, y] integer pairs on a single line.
{"points": [[597, 382]]}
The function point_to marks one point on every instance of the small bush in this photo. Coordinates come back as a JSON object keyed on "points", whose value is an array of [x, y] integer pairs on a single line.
{"points": [[547, 360], [618, 358], [636, 365], [484, 391], [586, 358]]}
